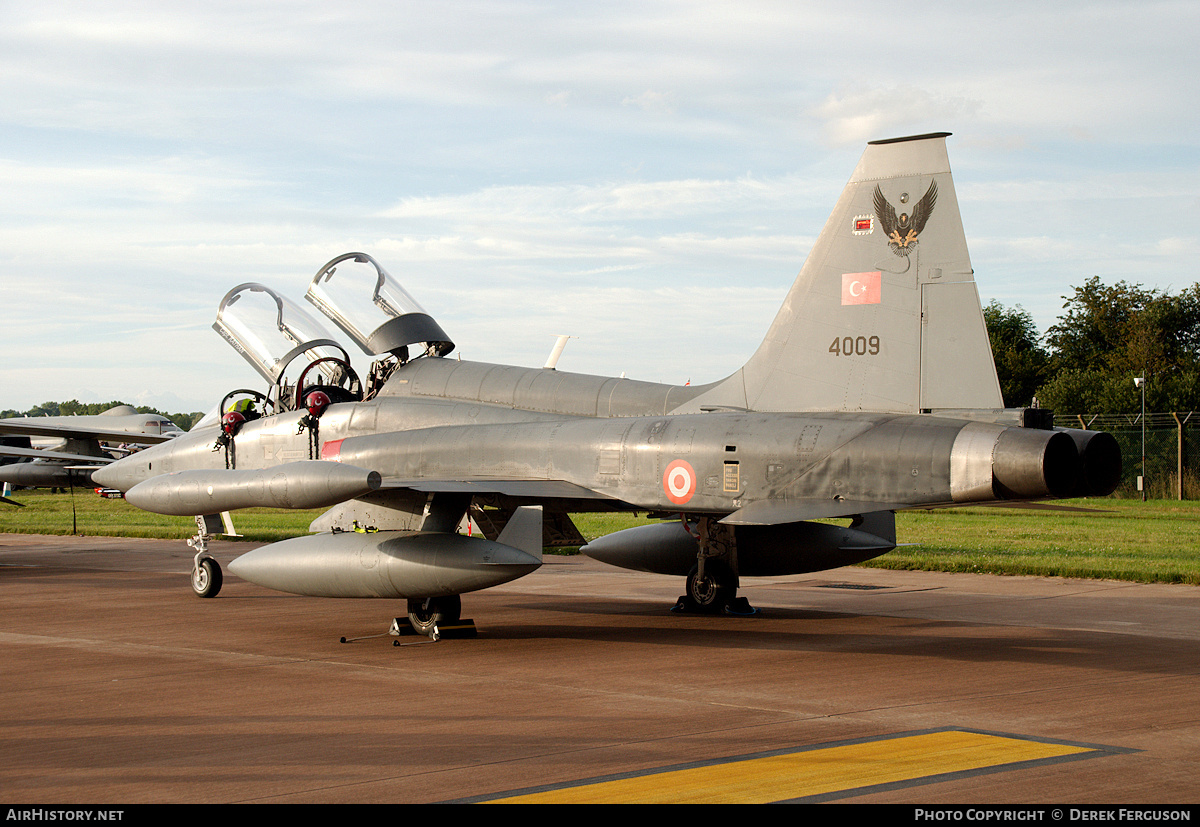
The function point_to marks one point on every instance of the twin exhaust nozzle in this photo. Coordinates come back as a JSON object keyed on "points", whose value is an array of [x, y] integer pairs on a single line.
{"points": [[990, 462]]}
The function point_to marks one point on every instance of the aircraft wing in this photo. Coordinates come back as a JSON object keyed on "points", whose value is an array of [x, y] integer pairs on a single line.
{"points": [[78, 432], [779, 512], [37, 453], [532, 489]]}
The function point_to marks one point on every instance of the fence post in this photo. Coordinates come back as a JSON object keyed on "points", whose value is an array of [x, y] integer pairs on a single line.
{"points": [[1179, 454]]}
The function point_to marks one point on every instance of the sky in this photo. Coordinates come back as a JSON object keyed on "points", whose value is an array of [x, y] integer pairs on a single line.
{"points": [[644, 176]]}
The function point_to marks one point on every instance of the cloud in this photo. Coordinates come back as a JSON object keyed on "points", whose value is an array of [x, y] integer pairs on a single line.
{"points": [[511, 163], [651, 101], [859, 115], [625, 200]]}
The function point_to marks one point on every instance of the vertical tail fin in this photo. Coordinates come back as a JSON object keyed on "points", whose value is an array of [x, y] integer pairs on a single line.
{"points": [[884, 315]]}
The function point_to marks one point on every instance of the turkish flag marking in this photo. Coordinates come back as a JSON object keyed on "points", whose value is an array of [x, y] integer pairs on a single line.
{"points": [[862, 288], [332, 450]]}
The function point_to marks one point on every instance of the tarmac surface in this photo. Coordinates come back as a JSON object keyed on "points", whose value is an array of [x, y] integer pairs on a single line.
{"points": [[854, 685]]}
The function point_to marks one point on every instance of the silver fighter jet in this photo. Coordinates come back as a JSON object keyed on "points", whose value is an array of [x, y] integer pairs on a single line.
{"points": [[873, 391]]}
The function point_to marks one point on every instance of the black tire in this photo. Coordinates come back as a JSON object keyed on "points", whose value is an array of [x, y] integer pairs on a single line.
{"points": [[715, 589], [426, 613], [207, 578]]}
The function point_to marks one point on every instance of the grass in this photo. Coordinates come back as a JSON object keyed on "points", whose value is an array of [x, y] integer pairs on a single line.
{"points": [[1152, 542], [47, 513]]}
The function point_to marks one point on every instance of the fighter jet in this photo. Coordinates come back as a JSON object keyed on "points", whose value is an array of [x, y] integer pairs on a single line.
{"points": [[873, 391], [77, 449]]}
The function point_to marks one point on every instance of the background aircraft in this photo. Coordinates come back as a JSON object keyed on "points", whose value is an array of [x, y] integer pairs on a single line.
{"points": [[873, 391], [77, 446]]}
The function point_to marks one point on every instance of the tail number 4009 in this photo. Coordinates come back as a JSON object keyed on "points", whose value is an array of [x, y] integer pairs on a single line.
{"points": [[855, 346]]}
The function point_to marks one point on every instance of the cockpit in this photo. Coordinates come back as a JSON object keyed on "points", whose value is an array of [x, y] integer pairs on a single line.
{"points": [[297, 355]]}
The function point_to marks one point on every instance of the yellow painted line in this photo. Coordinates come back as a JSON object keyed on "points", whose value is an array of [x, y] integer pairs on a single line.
{"points": [[811, 772]]}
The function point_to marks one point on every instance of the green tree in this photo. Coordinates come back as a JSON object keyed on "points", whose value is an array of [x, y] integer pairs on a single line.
{"points": [[74, 407], [1089, 390], [1022, 364], [1110, 334]]}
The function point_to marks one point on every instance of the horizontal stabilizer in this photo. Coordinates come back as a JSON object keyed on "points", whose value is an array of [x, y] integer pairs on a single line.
{"points": [[1036, 506]]}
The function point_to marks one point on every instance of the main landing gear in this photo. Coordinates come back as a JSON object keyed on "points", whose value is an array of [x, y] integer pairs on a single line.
{"points": [[713, 582], [428, 614]]}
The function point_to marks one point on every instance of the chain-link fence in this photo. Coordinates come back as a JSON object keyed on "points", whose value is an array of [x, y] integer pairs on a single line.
{"points": [[1172, 443]]}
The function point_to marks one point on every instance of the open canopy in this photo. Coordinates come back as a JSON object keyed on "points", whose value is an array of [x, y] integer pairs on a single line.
{"points": [[266, 328], [359, 296]]}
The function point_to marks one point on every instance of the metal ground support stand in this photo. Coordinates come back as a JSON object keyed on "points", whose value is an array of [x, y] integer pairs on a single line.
{"points": [[459, 629], [401, 627], [736, 607], [364, 637]]}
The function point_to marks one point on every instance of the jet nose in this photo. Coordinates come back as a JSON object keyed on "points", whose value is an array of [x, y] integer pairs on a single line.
{"points": [[107, 477]]}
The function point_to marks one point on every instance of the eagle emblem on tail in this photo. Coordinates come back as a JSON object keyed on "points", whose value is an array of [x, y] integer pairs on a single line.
{"points": [[902, 230]]}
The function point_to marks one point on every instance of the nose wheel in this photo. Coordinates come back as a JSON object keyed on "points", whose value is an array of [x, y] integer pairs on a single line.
{"points": [[206, 571], [207, 577]]}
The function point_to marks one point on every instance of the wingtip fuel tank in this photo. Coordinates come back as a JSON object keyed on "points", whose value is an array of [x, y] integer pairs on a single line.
{"points": [[793, 548], [399, 564], [304, 484]]}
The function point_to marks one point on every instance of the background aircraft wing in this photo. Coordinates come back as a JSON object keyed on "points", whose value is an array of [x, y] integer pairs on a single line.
{"points": [[78, 432], [37, 453]]}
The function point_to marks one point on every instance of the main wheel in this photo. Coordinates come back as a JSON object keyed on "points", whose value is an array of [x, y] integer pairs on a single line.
{"points": [[426, 613], [207, 578], [712, 591]]}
